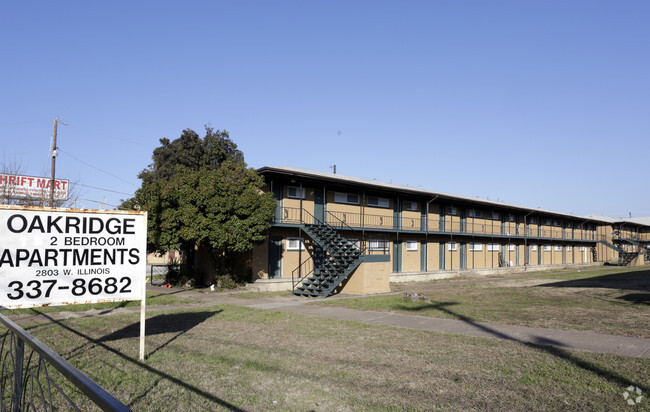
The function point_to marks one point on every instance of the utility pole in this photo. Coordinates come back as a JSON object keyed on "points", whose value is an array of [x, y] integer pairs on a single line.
{"points": [[54, 153]]}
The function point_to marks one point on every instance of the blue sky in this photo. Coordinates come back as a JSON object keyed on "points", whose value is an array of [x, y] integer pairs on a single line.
{"points": [[536, 103]]}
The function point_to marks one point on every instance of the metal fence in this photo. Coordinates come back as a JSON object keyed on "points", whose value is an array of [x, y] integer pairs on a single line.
{"points": [[35, 378], [158, 273]]}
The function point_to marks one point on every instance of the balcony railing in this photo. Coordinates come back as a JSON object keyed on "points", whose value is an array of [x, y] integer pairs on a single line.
{"points": [[351, 220]]}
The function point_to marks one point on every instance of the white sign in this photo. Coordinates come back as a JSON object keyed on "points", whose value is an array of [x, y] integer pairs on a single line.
{"points": [[62, 257], [30, 187]]}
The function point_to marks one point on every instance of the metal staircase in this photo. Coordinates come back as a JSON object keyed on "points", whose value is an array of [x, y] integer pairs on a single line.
{"points": [[624, 257], [335, 258], [640, 246]]}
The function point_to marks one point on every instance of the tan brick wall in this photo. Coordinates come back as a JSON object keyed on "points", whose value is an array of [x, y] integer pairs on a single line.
{"points": [[410, 259], [369, 278]]}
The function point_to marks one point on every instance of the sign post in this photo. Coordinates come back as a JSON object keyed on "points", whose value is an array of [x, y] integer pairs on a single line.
{"points": [[67, 256]]}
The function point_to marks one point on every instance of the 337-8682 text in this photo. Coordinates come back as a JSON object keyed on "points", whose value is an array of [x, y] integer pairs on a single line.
{"points": [[35, 289]]}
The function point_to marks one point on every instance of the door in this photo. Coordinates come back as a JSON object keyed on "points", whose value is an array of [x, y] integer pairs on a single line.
{"points": [[463, 255], [397, 256], [275, 257], [277, 193], [319, 210]]}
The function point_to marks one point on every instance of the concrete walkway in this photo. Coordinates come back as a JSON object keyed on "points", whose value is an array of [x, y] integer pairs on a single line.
{"points": [[567, 339]]}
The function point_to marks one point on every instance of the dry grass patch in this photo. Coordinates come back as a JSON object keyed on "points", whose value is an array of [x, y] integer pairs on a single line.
{"points": [[614, 301], [233, 358]]}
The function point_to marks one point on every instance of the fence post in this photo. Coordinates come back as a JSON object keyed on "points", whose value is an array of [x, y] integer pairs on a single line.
{"points": [[18, 373]]}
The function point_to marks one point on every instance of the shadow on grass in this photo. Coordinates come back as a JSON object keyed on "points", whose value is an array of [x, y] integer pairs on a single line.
{"points": [[549, 346], [178, 323], [637, 298], [634, 280], [184, 324]]}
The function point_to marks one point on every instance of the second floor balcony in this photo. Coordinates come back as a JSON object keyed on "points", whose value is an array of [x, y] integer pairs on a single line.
{"points": [[432, 224]]}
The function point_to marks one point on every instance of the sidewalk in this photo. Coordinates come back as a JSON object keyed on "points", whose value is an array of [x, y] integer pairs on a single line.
{"points": [[566, 339]]}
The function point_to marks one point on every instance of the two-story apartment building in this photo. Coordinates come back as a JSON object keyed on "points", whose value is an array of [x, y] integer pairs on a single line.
{"points": [[402, 229]]}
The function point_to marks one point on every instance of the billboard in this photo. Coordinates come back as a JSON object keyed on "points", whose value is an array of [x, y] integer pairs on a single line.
{"points": [[70, 256], [30, 187]]}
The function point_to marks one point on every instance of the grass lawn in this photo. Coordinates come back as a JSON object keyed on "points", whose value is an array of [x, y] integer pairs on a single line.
{"points": [[614, 301], [237, 358], [153, 298]]}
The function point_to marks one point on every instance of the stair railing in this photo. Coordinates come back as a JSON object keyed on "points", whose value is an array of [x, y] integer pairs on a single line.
{"points": [[296, 273], [308, 218]]}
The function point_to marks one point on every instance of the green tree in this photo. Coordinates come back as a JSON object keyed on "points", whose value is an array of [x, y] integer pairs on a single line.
{"points": [[200, 195]]}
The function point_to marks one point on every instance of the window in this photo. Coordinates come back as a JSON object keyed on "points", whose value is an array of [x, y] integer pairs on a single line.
{"points": [[346, 198], [294, 243], [495, 215], [569, 225], [511, 248], [581, 249], [475, 213], [412, 206], [378, 245], [569, 248], [452, 246], [511, 217], [558, 248], [547, 248], [296, 192], [534, 248], [377, 201], [533, 220], [493, 247], [452, 211], [411, 245], [557, 223], [475, 247], [547, 222]]}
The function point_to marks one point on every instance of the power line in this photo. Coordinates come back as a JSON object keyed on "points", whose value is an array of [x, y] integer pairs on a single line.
{"points": [[96, 168], [130, 141], [106, 190], [94, 201]]}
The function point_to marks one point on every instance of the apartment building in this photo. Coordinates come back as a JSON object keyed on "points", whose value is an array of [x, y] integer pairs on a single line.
{"points": [[330, 230]]}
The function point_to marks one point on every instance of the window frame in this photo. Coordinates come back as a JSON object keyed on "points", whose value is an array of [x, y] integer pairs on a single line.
{"points": [[380, 200], [300, 192], [295, 248], [493, 247], [408, 203], [378, 245], [475, 247], [338, 198]]}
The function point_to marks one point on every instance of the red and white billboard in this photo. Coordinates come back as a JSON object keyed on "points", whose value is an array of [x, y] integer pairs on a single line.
{"points": [[30, 187]]}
